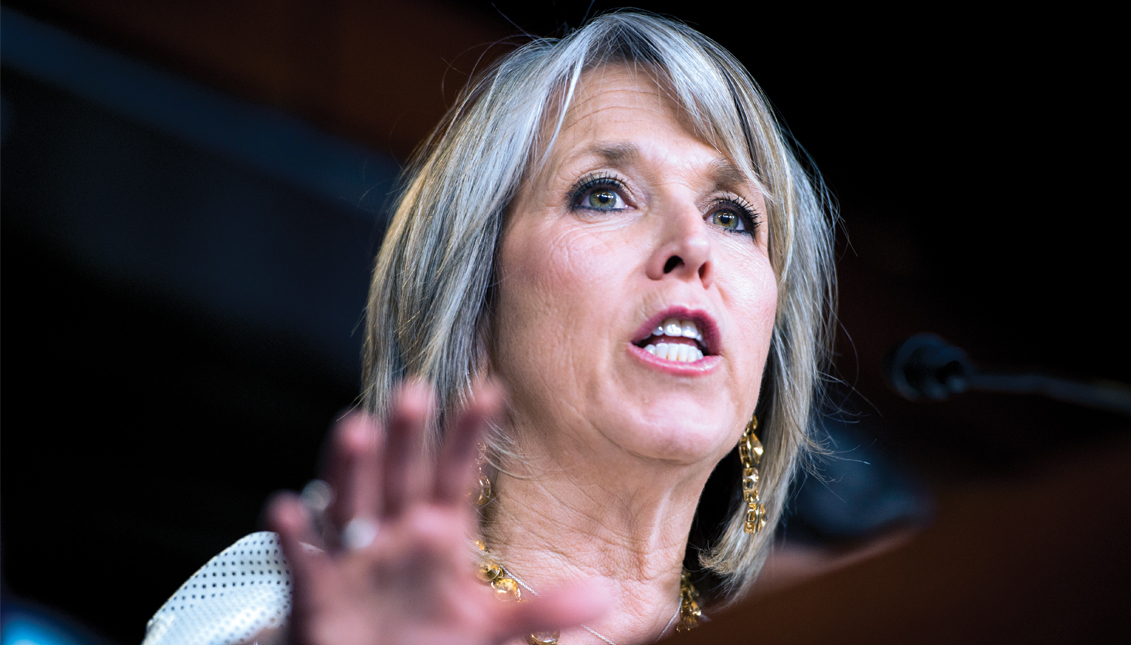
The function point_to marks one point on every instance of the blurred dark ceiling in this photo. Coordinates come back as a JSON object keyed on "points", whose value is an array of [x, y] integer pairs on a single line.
{"points": [[182, 297]]}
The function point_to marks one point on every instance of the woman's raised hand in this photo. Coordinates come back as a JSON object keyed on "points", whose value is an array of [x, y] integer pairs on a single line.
{"points": [[394, 564]]}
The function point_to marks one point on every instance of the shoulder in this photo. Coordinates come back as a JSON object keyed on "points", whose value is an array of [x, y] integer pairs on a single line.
{"points": [[235, 595]]}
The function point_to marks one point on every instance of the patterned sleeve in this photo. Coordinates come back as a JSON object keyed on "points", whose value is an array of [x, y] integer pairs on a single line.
{"points": [[241, 592]]}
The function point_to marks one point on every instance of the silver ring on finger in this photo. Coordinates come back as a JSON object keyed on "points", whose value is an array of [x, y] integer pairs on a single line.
{"points": [[317, 496], [359, 533]]}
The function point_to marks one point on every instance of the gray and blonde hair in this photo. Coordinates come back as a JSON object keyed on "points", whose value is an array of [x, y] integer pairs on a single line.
{"points": [[431, 300]]}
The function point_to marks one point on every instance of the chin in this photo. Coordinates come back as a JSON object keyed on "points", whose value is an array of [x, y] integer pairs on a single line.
{"points": [[695, 437]]}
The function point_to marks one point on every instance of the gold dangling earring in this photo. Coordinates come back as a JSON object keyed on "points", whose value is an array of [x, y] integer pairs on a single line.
{"points": [[750, 452], [484, 480]]}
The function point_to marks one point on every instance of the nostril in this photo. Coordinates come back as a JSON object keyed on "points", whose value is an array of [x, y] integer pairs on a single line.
{"points": [[672, 263]]}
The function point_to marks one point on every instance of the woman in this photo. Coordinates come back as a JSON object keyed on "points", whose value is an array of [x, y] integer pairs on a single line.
{"points": [[612, 228]]}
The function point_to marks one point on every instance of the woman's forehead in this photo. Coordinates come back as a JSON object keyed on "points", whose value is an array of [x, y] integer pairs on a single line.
{"points": [[614, 113], [611, 94]]}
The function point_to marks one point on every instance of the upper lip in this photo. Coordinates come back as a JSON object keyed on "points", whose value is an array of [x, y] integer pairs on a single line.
{"points": [[706, 324]]}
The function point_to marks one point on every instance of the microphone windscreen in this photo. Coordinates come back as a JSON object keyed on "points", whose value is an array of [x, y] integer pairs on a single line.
{"points": [[927, 367]]}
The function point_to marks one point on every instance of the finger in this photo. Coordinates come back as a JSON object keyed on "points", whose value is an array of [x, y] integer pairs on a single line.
{"points": [[303, 548], [354, 470], [405, 469], [561, 608], [457, 468]]}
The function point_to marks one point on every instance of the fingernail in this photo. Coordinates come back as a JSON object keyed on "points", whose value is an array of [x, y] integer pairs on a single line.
{"points": [[416, 395], [358, 432], [286, 513]]}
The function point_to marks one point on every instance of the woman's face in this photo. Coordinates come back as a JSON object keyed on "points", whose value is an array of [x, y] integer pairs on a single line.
{"points": [[635, 238]]}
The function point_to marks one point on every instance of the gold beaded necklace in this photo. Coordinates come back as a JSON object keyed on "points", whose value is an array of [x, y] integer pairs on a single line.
{"points": [[507, 587]]}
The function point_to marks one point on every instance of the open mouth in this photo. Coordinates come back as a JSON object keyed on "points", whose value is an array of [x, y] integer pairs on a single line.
{"points": [[675, 339]]}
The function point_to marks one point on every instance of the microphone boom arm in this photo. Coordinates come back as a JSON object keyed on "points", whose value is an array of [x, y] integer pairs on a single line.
{"points": [[926, 366]]}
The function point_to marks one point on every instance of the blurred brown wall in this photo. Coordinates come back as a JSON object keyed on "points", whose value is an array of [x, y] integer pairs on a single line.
{"points": [[366, 70]]}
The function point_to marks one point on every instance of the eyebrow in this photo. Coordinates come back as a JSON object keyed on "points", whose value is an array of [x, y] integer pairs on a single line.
{"points": [[618, 155], [727, 174], [723, 172]]}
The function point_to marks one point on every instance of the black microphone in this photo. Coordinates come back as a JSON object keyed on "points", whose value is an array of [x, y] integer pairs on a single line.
{"points": [[927, 367]]}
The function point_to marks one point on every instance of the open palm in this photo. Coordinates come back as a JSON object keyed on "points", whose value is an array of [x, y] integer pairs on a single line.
{"points": [[394, 563]]}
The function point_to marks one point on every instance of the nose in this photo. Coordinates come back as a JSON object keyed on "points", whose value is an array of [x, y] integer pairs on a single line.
{"points": [[684, 249]]}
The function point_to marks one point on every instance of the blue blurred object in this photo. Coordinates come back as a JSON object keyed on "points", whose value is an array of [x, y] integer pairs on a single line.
{"points": [[22, 624], [195, 266]]}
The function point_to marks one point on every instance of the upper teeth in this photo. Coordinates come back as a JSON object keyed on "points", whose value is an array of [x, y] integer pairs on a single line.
{"points": [[673, 327], [677, 351]]}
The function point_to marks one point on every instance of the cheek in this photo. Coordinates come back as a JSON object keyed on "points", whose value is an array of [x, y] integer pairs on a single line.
{"points": [[763, 301], [534, 275], [559, 268], [753, 301], [547, 281]]}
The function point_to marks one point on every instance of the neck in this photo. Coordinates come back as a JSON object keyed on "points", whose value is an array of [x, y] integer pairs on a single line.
{"points": [[620, 525]]}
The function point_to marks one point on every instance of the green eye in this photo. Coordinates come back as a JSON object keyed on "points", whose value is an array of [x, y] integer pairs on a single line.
{"points": [[602, 199], [726, 219]]}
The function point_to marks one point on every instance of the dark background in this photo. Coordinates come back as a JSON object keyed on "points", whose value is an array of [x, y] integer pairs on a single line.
{"points": [[192, 195]]}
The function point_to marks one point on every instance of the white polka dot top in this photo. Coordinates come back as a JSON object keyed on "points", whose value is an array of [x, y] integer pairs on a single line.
{"points": [[236, 595]]}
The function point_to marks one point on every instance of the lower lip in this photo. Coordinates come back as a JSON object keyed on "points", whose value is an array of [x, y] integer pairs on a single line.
{"points": [[703, 366]]}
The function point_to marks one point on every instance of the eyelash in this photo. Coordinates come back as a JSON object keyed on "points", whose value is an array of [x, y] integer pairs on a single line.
{"points": [[587, 185], [742, 208]]}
